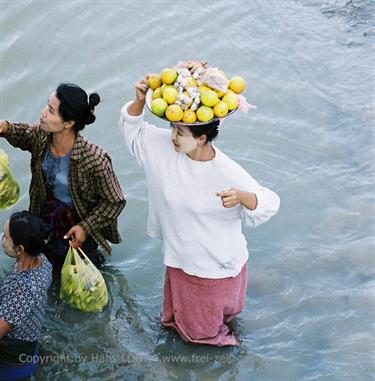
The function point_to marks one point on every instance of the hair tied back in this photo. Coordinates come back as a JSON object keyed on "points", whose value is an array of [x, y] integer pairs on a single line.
{"points": [[94, 100]]}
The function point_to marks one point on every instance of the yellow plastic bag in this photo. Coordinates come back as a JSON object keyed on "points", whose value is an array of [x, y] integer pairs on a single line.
{"points": [[9, 189], [82, 284]]}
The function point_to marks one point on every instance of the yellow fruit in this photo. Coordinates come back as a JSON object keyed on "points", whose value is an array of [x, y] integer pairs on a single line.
{"points": [[203, 88], [231, 100], [189, 116], [221, 109], [170, 94], [174, 113], [158, 106], [209, 98], [219, 93], [163, 86], [154, 81], [237, 84], [205, 113], [190, 82], [157, 93], [168, 76]]}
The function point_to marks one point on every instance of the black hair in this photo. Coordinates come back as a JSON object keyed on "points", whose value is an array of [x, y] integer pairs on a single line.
{"points": [[210, 129], [30, 231], [74, 105]]}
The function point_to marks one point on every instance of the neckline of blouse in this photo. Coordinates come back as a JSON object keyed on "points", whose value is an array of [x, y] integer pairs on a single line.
{"points": [[203, 162], [58, 157]]}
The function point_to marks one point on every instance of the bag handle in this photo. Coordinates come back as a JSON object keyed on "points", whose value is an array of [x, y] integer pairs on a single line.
{"points": [[91, 266], [88, 261], [82, 253]]}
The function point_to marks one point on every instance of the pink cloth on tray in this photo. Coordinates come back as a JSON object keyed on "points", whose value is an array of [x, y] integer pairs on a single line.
{"points": [[199, 308]]}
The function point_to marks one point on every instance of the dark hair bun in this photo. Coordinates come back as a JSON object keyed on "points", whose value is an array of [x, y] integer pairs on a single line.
{"points": [[90, 119], [94, 100]]}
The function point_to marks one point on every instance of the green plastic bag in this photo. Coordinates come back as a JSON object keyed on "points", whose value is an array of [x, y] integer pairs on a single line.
{"points": [[9, 189], [82, 284]]}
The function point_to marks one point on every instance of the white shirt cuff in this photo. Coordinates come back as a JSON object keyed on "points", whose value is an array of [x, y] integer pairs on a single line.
{"points": [[134, 119]]}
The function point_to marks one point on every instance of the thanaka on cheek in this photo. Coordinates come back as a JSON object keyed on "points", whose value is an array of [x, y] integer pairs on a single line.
{"points": [[187, 144]]}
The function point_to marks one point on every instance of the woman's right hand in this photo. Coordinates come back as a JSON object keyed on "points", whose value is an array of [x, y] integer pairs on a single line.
{"points": [[3, 126], [141, 88]]}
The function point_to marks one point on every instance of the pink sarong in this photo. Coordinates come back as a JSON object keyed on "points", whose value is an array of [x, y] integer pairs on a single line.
{"points": [[199, 308]]}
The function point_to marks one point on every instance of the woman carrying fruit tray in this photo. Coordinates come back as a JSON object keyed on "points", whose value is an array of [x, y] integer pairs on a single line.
{"points": [[198, 200]]}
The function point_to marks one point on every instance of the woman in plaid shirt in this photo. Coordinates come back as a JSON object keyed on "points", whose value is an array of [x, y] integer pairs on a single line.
{"points": [[73, 185]]}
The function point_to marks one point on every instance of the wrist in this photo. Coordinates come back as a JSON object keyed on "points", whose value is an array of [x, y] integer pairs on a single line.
{"points": [[248, 200], [82, 226], [242, 196]]}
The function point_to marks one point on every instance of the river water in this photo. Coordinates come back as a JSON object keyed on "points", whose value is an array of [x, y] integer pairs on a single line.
{"points": [[310, 302]]}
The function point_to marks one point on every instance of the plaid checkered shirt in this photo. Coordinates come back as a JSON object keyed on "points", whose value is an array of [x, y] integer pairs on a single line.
{"points": [[95, 190]]}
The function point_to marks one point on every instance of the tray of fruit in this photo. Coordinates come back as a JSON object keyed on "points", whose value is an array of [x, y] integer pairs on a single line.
{"points": [[177, 95]]}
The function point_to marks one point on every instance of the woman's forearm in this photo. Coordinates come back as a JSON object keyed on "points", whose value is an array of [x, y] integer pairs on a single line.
{"points": [[136, 107]]}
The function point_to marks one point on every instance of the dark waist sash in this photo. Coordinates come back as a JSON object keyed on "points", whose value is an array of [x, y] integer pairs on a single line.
{"points": [[61, 217], [18, 359], [12, 349]]}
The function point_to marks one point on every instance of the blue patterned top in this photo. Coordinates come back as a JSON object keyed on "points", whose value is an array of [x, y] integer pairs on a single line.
{"points": [[55, 171], [23, 298]]}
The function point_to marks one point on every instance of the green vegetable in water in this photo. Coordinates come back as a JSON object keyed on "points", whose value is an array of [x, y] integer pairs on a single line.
{"points": [[9, 189]]}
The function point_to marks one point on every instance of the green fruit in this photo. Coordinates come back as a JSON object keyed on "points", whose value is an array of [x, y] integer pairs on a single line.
{"points": [[9, 189], [158, 106], [205, 114]]}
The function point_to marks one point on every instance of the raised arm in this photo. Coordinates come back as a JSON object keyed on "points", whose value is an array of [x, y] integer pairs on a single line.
{"points": [[143, 140], [136, 107], [22, 135]]}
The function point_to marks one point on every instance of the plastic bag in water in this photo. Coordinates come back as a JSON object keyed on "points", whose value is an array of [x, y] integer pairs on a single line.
{"points": [[82, 284], [9, 189]]}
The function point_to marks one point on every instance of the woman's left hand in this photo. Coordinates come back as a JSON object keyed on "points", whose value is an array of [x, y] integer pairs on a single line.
{"points": [[232, 197], [78, 236]]}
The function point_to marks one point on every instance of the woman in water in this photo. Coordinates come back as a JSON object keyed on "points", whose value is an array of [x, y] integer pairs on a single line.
{"points": [[73, 185], [198, 200], [23, 295]]}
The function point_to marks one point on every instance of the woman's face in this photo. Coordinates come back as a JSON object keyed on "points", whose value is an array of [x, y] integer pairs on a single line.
{"points": [[182, 139], [9, 247], [50, 119]]}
